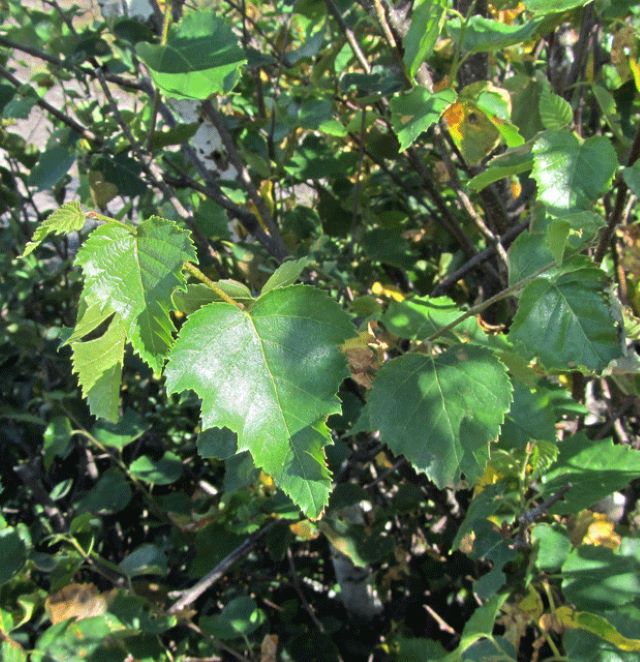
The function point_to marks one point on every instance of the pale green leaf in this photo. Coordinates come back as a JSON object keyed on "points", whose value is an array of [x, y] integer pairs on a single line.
{"points": [[197, 295], [286, 274], [571, 174], [565, 319], [415, 111], [420, 317], [133, 272], [441, 411], [270, 374], [98, 364], [427, 21], [552, 545], [555, 112], [67, 218], [201, 57]]}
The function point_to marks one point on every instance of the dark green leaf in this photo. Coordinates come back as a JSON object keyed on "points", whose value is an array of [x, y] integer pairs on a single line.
{"points": [[164, 471], [424, 412], [564, 317], [595, 469]]}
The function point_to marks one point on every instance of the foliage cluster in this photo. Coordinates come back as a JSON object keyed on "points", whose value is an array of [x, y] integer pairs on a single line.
{"points": [[355, 381]]}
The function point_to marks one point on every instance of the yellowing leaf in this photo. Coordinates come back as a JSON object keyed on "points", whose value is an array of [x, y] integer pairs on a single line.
{"points": [[517, 617], [635, 71], [490, 476], [304, 529], [388, 291], [472, 132], [76, 601], [597, 625], [507, 16], [602, 532], [266, 481]]}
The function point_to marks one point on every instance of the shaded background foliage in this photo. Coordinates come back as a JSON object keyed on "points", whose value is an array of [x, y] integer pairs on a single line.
{"points": [[401, 148]]}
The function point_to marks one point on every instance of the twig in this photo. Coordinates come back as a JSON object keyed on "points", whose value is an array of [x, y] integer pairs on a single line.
{"points": [[479, 258], [219, 122], [194, 271], [618, 209], [531, 515], [349, 36], [189, 596], [51, 59], [298, 589], [59, 115], [483, 305], [442, 624]]}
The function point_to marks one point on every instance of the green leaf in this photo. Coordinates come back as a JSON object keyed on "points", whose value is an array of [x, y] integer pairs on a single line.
{"points": [[164, 471], [98, 364], [144, 560], [424, 413], [632, 177], [420, 317], [595, 469], [219, 443], [286, 274], [555, 112], [67, 218], [553, 6], [483, 35], [564, 318], [13, 553], [110, 494], [57, 440], [511, 163], [52, 166], [197, 295], [596, 578], [552, 545], [127, 430], [239, 618], [413, 649], [479, 626], [202, 57], [598, 625], [133, 272], [531, 417], [270, 374], [570, 173], [415, 111], [427, 20]]}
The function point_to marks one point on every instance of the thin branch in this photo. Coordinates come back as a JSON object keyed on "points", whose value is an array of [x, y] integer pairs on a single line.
{"points": [[483, 305], [478, 259], [298, 589], [189, 596], [51, 59], [219, 122], [349, 36], [618, 208], [59, 115], [194, 271]]}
